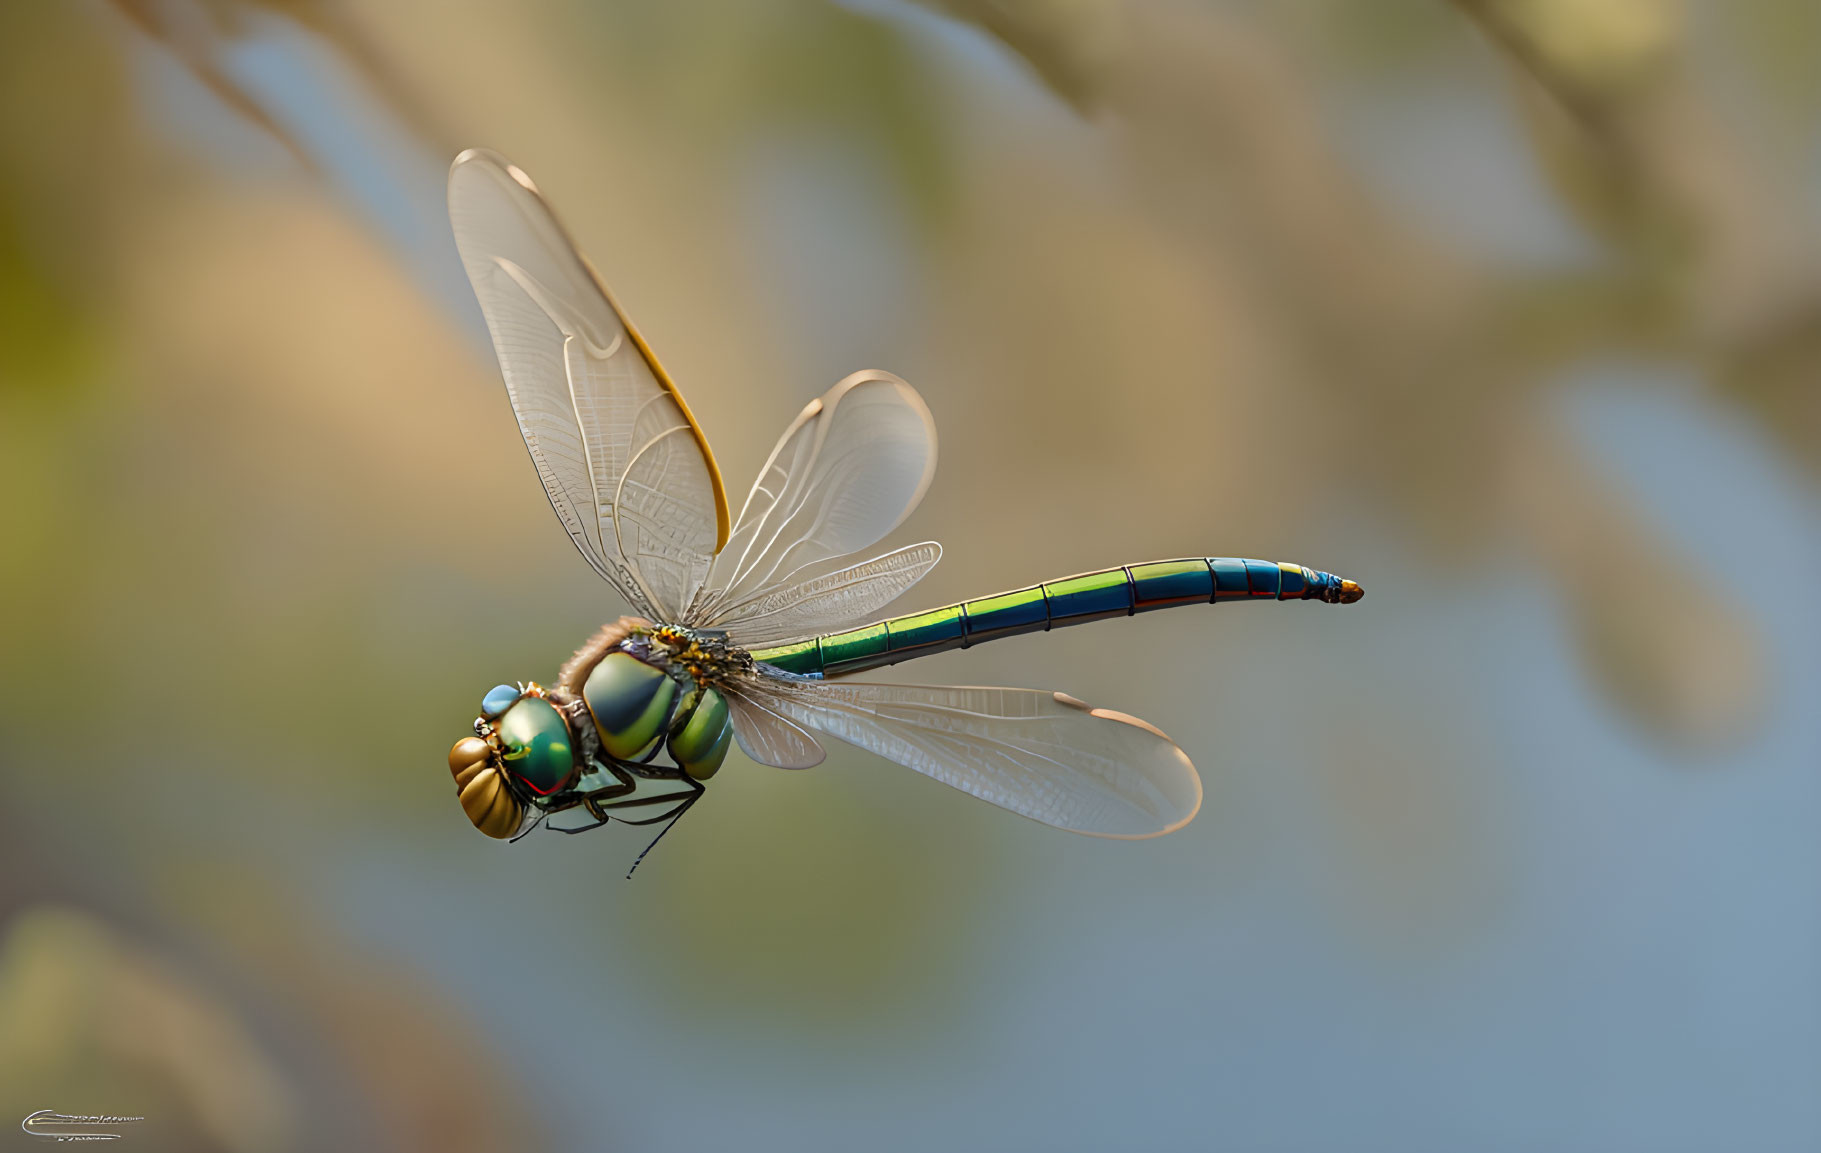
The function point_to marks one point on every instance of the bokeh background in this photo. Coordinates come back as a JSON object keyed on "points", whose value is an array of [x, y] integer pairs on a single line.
{"points": [[1510, 309]]}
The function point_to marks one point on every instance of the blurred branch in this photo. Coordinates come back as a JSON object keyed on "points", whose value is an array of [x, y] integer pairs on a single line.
{"points": [[200, 33], [193, 37], [332, 22], [337, 105], [1074, 45], [1227, 141], [1507, 29], [1706, 230], [1684, 661]]}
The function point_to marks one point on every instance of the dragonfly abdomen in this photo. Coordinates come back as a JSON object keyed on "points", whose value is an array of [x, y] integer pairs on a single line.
{"points": [[1114, 592]]}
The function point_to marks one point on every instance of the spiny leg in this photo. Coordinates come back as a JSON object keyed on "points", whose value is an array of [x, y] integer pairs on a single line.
{"points": [[615, 798], [674, 818], [637, 802], [696, 791], [623, 785], [600, 819]]}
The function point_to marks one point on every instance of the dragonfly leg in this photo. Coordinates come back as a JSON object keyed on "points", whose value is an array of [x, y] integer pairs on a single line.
{"points": [[600, 819], [686, 801], [623, 784], [607, 804], [587, 803], [675, 816]]}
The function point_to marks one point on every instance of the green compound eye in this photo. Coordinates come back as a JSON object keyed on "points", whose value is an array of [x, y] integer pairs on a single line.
{"points": [[701, 745], [538, 749], [631, 703]]}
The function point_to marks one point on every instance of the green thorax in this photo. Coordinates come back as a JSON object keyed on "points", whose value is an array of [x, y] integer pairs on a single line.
{"points": [[653, 687]]}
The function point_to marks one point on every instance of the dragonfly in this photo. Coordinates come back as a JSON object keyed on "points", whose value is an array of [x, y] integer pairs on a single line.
{"points": [[747, 629]]}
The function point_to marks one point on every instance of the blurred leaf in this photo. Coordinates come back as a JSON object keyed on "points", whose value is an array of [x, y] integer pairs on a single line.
{"points": [[425, 1079], [1604, 46], [47, 342], [1074, 45], [85, 1013], [1668, 649]]}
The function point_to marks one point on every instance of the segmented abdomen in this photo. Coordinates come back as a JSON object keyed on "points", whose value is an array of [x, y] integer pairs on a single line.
{"points": [[1114, 592]]}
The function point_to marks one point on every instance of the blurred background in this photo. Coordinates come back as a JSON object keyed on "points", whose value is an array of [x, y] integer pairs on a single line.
{"points": [[1509, 309]]}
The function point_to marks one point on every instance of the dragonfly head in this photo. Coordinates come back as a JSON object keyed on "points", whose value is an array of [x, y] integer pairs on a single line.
{"points": [[1350, 592], [521, 748]]}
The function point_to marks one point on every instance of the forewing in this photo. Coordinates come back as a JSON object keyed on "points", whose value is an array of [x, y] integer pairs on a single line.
{"points": [[1044, 755], [623, 461], [828, 603], [658, 508], [847, 471]]}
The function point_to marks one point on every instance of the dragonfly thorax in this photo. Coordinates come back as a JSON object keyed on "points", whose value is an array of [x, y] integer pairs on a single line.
{"points": [[636, 689], [656, 685], [705, 655]]}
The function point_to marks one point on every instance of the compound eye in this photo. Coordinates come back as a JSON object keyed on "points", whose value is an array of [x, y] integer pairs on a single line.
{"points": [[539, 751]]}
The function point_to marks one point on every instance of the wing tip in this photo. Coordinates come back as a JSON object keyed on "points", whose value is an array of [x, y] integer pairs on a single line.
{"points": [[914, 400], [1188, 766], [854, 380], [487, 158], [1111, 715], [1194, 810]]}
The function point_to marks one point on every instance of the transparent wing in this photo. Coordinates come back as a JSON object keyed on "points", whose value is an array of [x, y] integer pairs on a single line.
{"points": [[847, 471], [623, 461], [1044, 755], [828, 603], [767, 735]]}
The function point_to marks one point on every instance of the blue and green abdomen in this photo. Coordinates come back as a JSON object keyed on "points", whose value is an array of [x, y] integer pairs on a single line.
{"points": [[1092, 596]]}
